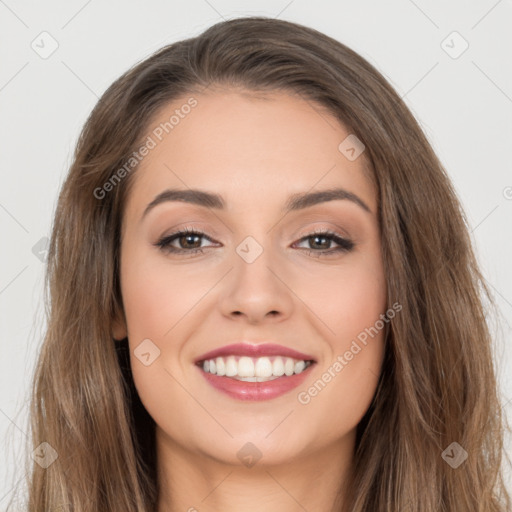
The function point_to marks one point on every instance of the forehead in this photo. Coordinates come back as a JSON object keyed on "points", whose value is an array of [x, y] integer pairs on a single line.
{"points": [[248, 147]]}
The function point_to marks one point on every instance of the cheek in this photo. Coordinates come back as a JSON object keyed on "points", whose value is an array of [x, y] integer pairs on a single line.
{"points": [[350, 304], [156, 297], [155, 300], [361, 302], [347, 299]]}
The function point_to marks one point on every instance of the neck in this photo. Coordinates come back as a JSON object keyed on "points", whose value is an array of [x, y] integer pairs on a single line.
{"points": [[194, 482]]}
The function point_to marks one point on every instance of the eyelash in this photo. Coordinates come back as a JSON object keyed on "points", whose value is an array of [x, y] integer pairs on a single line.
{"points": [[345, 245]]}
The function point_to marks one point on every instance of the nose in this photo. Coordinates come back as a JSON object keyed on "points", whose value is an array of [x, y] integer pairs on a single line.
{"points": [[256, 292]]}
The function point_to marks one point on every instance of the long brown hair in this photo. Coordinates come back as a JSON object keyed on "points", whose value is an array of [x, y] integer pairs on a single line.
{"points": [[438, 383]]}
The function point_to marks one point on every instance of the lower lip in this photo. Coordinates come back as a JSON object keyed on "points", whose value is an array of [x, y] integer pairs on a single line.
{"points": [[256, 391]]}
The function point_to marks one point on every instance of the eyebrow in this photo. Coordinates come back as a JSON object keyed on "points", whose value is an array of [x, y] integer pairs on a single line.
{"points": [[295, 201]]}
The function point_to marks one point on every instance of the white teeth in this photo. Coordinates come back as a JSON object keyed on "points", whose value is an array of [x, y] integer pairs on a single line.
{"points": [[255, 379], [298, 366], [258, 369], [278, 367], [245, 367], [263, 367], [231, 367], [289, 366], [221, 367]]}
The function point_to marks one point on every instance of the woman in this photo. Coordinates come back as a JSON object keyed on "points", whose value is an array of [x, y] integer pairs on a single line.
{"points": [[263, 294]]}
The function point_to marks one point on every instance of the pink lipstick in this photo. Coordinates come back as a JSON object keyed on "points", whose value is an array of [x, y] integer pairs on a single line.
{"points": [[246, 371]]}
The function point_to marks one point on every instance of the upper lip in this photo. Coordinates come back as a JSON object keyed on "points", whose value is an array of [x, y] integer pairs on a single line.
{"points": [[254, 350]]}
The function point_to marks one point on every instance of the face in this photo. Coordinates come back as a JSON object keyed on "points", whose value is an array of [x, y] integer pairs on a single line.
{"points": [[284, 283]]}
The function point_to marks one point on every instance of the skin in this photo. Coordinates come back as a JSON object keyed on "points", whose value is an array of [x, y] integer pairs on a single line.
{"points": [[255, 152]]}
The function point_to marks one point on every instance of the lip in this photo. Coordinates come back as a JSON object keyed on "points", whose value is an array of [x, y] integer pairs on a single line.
{"points": [[252, 350], [255, 391]]}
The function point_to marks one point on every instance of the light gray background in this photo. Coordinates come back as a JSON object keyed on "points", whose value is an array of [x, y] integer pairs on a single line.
{"points": [[464, 105]]}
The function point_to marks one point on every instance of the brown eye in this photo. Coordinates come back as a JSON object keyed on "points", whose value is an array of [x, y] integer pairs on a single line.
{"points": [[189, 241], [320, 243]]}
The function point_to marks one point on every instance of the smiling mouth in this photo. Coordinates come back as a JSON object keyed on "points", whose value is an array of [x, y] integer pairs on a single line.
{"points": [[254, 369]]}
